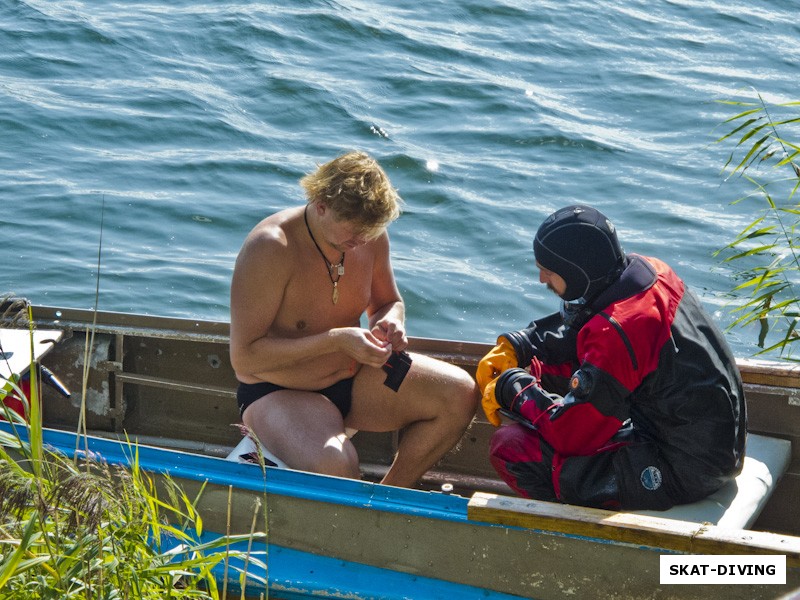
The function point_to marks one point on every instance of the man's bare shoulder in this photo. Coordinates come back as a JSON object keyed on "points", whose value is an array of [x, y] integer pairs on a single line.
{"points": [[268, 251], [274, 233]]}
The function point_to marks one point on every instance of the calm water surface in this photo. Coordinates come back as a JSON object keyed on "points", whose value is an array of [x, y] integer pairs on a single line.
{"points": [[185, 123]]}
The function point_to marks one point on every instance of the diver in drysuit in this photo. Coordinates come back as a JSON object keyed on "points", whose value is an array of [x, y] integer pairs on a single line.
{"points": [[629, 397]]}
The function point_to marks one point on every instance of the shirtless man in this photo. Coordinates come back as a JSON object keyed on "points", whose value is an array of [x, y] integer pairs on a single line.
{"points": [[307, 369]]}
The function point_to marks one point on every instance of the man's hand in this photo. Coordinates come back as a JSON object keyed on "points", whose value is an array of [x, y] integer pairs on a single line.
{"points": [[500, 358], [361, 345], [391, 331]]}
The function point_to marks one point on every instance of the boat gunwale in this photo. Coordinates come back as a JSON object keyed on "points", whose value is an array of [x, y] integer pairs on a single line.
{"points": [[755, 371], [250, 477]]}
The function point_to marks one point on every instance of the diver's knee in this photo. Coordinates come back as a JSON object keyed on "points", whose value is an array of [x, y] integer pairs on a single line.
{"points": [[515, 443]]}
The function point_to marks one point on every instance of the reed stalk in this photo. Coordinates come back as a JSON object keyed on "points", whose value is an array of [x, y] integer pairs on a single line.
{"points": [[81, 529], [766, 154]]}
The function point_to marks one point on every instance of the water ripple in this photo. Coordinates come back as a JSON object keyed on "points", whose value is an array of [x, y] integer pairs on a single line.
{"points": [[192, 121]]}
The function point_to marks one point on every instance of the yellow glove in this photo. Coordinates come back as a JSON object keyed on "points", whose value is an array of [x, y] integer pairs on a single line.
{"points": [[500, 358], [489, 402]]}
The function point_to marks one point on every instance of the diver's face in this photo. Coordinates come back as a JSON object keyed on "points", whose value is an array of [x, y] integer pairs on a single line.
{"points": [[554, 282]]}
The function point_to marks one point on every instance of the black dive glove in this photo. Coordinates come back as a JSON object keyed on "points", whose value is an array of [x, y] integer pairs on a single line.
{"points": [[515, 388]]}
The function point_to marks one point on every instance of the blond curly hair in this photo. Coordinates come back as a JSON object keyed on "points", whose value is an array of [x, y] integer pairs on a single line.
{"points": [[356, 188]]}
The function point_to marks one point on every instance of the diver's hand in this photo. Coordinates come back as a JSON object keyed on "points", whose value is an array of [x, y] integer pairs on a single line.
{"points": [[491, 408], [500, 358]]}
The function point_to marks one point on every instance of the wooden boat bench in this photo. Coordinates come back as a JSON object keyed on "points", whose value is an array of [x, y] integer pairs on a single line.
{"points": [[725, 515], [738, 504]]}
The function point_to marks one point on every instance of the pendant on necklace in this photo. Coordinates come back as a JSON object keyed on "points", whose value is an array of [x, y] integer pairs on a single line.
{"points": [[339, 269], [335, 292]]}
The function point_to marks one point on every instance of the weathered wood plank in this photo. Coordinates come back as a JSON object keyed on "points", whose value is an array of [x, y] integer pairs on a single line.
{"points": [[667, 534]]}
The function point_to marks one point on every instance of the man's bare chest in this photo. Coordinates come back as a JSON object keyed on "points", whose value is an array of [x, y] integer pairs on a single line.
{"points": [[315, 300]]}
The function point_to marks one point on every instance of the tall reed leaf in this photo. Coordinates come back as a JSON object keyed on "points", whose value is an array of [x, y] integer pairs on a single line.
{"points": [[78, 528], [766, 250]]}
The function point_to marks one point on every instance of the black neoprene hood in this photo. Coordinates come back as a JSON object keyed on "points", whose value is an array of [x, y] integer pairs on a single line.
{"points": [[580, 244]]}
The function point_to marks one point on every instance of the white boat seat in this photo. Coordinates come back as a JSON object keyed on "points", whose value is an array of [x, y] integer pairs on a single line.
{"points": [[738, 503], [247, 452]]}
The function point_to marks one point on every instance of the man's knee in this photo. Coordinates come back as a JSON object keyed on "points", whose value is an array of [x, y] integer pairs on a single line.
{"points": [[459, 391], [468, 395], [338, 458]]}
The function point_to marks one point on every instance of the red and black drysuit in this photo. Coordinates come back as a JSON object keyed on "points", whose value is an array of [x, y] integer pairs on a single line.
{"points": [[654, 412]]}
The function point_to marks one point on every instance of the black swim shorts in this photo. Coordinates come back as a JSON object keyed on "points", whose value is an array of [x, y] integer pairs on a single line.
{"points": [[340, 393]]}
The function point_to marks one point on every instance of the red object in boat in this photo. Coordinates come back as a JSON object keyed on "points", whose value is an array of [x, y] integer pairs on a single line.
{"points": [[12, 400]]}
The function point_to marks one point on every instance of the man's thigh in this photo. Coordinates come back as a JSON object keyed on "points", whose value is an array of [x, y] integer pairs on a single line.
{"points": [[377, 407], [287, 421]]}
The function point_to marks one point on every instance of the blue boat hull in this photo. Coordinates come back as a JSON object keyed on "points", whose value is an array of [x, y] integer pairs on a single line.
{"points": [[294, 573]]}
